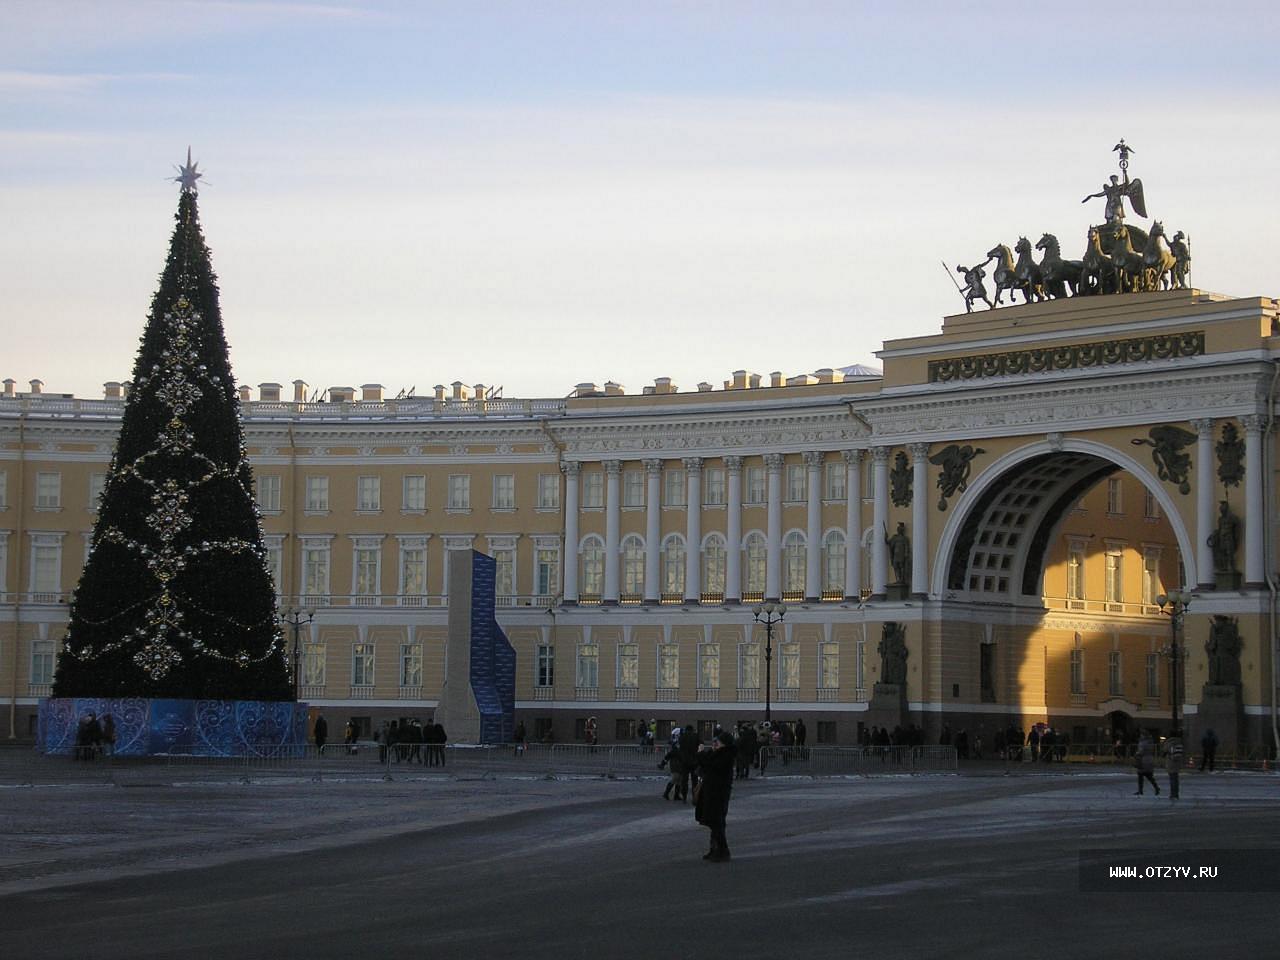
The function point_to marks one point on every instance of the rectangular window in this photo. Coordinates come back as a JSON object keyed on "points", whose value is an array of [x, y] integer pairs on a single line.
{"points": [[668, 666], [749, 666], [504, 573], [548, 491], [1077, 671], [410, 664], [545, 666], [46, 566], [827, 732], [713, 486], [546, 572], [275, 560], [1115, 501], [1150, 576], [1153, 676], [413, 494], [789, 666], [987, 672], [1151, 506], [367, 571], [362, 664], [460, 492], [633, 488], [709, 666], [317, 493], [98, 483], [369, 494], [315, 569], [48, 491], [796, 489], [755, 490], [588, 665], [592, 490], [268, 493], [1115, 576], [628, 665], [836, 475], [314, 655], [504, 491], [1075, 571], [860, 664], [829, 666], [674, 488], [1114, 680], [42, 661]]}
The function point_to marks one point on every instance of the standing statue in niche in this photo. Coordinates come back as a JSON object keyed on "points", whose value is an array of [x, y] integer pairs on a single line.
{"points": [[899, 554], [1223, 542], [1223, 647], [900, 481], [1230, 456], [893, 654]]}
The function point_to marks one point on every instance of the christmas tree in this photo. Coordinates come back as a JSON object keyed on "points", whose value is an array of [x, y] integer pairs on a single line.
{"points": [[175, 600]]}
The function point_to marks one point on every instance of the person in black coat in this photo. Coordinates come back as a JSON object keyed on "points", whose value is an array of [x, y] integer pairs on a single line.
{"points": [[716, 766], [321, 733], [688, 746]]}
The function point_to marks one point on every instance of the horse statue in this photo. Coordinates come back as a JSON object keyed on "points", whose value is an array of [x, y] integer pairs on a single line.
{"points": [[1005, 277], [1097, 274], [1028, 272], [1059, 275], [1157, 260], [1130, 270]]}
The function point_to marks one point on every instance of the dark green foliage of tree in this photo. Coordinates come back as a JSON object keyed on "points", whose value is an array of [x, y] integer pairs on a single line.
{"points": [[175, 600]]}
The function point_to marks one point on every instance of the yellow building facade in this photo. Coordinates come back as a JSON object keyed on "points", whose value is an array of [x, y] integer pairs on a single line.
{"points": [[1023, 451]]}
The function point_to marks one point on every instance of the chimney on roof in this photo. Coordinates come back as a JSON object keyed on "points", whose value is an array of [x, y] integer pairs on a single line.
{"points": [[36, 385], [342, 394], [612, 389], [585, 390], [370, 392], [664, 385], [269, 392], [461, 391], [439, 388], [705, 387], [300, 391], [110, 389], [9, 384], [244, 391]]}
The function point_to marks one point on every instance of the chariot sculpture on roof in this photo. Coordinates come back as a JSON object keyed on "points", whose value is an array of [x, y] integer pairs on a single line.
{"points": [[1118, 257]]}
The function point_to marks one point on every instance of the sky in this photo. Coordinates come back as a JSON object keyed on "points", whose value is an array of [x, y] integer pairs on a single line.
{"points": [[532, 195]]}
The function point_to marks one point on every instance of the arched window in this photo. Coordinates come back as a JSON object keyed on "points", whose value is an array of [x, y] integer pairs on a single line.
{"points": [[793, 563], [632, 566], [673, 557], [591, 563], [713, 565], [755, 550], [833, 563]]}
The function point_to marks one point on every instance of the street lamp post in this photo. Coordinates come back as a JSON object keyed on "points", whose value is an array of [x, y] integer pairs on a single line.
{"points": [[297, 617], [768, 613], [1177, 602]]}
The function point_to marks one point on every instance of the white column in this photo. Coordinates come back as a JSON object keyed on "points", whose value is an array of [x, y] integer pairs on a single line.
{"points": [[693, 530], [880, 523], [612, 523], [652, 530], [1205, 517], [853, 524], [570, 579], [920, 519], [773, 535], [1254, 570], [813, 527], [733, 532]]}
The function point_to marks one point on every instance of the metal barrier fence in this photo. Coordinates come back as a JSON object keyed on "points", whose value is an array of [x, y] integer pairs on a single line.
{"points": [[847, 761]]}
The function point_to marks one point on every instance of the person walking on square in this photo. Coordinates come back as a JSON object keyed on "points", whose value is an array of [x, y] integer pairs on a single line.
{"points": [[715, 764], [1173, 761], [802, 735], [1208, 748], [441, 739], [321, 732], [1145, 763]]}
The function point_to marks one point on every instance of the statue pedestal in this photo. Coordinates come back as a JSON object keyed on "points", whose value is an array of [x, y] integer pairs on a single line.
{"points": [[897, 591], [888, 707], [1226, 581], [1222, 711]]}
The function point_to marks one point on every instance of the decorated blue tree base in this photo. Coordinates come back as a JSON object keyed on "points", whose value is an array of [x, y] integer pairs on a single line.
{"points": [[201, 728]]}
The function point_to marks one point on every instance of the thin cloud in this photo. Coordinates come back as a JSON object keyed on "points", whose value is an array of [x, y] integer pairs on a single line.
{"points": [[15, 81]]}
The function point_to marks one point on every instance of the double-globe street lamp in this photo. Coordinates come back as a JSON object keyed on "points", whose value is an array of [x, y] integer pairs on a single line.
{"points": [[297, 617], [768, 613], [1177, 602]]}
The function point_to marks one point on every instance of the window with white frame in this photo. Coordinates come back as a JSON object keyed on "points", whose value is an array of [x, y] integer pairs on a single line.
{"points": [[797, 488], [1077, 667], [1115, 683], [713, 486], [833, 562], [668, 666], [1150, 575], [98, 483], [459, 491], [1075, 570], [368, 494], [674, 488], [413, 567], [46, 566], [1153, 676], [546, 570], [366, 578], [42, 655], [315, 567], [591, 567], [1115, 496], [410, 664], [504, 569], [633, 488], [673, 559], [592, 489], [545, 666], [835, 475], [628, 665], [789, 666], [362, 664], [755, 490], [274, 545], [48, 491], [315, 654], [588, 667], [317, 494], [548, 491], [1150, 506], [755, 553], [413, 493], [632, 566], [829, 665], [708, 666], [713, 565], [749, 665], [1114, 575], [504, 491], [794, 562], [268, 492], [860, 663]]}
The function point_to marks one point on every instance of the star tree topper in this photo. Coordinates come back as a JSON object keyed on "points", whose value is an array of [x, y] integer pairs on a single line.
{"points": [[187, 175]]}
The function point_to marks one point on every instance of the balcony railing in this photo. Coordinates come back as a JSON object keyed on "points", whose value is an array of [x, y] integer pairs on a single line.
{"points": [[411, 692], [544, 693], [828, 694], [667, 694], [39, 689], [586, 693], [748, 694], [787, 695], [708, 694], [362, 691], [625, 693], [1102, 606], [311, 691]]}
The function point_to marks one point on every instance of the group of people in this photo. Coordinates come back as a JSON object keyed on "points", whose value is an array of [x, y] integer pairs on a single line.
{"points": [[412, 742], [94, 736]]}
